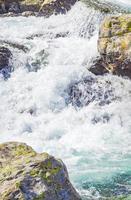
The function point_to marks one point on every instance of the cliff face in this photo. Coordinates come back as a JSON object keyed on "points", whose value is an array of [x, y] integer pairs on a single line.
{"points": [[26, 175]]}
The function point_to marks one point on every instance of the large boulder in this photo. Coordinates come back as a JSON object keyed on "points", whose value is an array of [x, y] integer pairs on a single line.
{"points": [[114, 44], [27, 175]]}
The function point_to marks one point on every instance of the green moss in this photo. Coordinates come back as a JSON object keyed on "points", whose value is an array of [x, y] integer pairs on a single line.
{"points": [[34, 172], [24, 150], [45, 171], [124, 45], [107, 24], [40, 197], [19, 161], [5, 172], [18, 184]]}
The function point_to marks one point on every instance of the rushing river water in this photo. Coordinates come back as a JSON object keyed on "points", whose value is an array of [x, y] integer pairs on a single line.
{"points": [[94, 139]]}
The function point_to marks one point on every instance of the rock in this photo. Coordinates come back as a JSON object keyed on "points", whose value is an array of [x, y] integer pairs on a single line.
{"points": [[88, 90], [114, 44], [27, 175], [28, 13], [14, 7], [98, 67], [5, 62], [50, 7], [41, 7], [14, 45], [5, 56], [9, 6]]}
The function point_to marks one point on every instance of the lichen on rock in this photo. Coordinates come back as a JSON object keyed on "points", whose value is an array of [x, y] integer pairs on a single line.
{"points": [[27, 175]]}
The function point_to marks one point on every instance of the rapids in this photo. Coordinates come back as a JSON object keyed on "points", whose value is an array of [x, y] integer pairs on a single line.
{"points": [[93, 140]]}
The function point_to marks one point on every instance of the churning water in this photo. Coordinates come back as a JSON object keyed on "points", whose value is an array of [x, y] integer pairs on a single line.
{"points": [[53, 103]]}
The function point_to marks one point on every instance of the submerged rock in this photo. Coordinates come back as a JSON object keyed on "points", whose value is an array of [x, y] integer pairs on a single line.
{"points": [[5, 61], [90, 90], [14, 45], [5, 56], [27, 175], [114, 45]]}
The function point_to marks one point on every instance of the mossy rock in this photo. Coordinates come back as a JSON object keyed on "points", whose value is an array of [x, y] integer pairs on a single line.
{"points": [[114, 44], [115, 26], [27, 175]]}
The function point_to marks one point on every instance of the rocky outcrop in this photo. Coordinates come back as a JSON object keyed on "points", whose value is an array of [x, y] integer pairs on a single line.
{"points": [[114, 45], [35, 7], [27, 175]]}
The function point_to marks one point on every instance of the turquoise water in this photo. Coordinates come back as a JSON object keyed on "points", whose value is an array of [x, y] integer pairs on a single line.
{"points": [[93, 140]]}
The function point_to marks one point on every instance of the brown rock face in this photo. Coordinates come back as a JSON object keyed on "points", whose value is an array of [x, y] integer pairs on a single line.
{"points": [[114, 44], [27, 175]]}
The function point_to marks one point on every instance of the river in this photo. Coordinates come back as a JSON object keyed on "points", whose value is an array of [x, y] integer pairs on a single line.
{"points": [[94, 138]]}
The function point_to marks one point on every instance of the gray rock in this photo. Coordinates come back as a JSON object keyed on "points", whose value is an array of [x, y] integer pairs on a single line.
{"points": [[14, 7]]}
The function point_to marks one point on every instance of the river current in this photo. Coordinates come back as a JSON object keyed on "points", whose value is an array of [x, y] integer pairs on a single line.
{"points": [[94, 138]]}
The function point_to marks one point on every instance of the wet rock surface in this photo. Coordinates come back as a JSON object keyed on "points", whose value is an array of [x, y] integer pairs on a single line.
{"points": [[26, 175], [90, 90], [5, 61]]}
